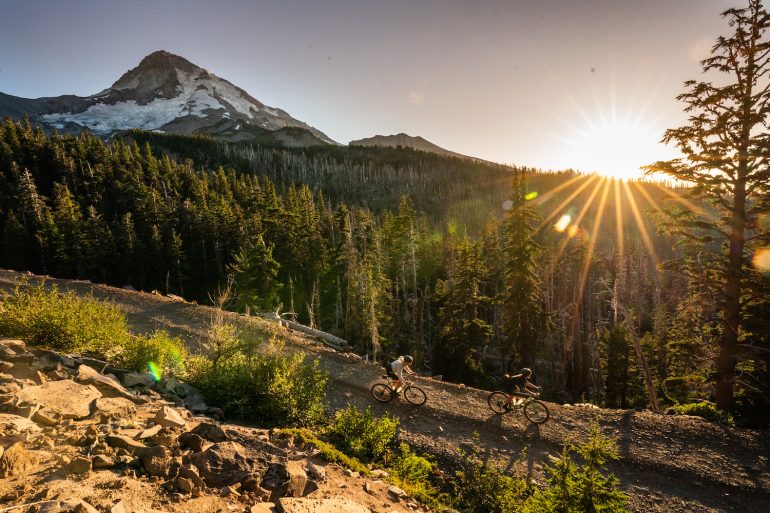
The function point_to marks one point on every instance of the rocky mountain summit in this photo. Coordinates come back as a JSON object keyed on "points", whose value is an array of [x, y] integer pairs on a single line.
{"points": [[166, 93], [405, 141], [78, 435]]}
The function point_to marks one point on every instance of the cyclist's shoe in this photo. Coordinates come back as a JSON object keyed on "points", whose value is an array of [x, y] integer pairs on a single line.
{"points": [[507, 407]]}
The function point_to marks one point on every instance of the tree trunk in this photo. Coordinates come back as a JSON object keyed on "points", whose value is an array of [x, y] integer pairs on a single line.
{"points": [[728, 343]]}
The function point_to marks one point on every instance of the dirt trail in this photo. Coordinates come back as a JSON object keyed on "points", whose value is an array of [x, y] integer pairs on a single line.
{"points": [[668, 463]]}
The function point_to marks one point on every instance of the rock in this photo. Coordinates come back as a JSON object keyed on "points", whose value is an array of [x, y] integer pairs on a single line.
{"points": [[396, 491], [157, 461], [210, 432], [50, 360], [15, 424], [67, 398], [285, 480], [120, 507], [84, 507], [114, 408], [27, 411], [92, 363], [163, 438], [16, 460], [21, 359], [223, 464], [118, 372], [191, 473], [379, 474], [49, 507], [368, 488], [263, 507], [102, 461], [230, 491], [335, 505], [47, 418], [316, 472], [124, 442], [24, 371], [349, 473], [79, 466], [250, 484], [150, 432], [195, 404], [14, 346], [310, 487], [108, 385], [184, 485], [169, 417], [191, 441], [136, 379]]}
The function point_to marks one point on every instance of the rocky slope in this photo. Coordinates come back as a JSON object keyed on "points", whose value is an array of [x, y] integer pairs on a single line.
{"points": [[681, 464], [77, 435], [166, 93]]}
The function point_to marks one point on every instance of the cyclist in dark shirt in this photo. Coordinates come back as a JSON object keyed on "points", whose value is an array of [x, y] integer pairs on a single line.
{"points": [[519, 386]]}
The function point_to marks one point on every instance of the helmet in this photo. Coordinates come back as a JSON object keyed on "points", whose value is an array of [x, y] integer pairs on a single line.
{"points": [[526, 371], [408, 359]]}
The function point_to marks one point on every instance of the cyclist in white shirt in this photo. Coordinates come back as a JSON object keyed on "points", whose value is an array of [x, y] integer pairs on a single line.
{"points": [[396, 370]]}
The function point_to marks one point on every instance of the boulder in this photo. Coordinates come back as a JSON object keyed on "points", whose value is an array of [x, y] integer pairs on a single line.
{"points": [[157, 461], [79, 466], [93, 363], [263, 507], [169, 417], [14, 346], [396, 491], [51, 360], [223, 464], [114, 408], [84, 507], [335, 505], [108, 385], [102, 461], [124, 442], [47, 418], [21, 359], [191, 441], [196, 404], [285, 479], [190, 472], [316, 472], [24, 371], [184, 485], [136, 379], [67, 398], [13, 424], [210, 432], [16, 460], [150, 432]]}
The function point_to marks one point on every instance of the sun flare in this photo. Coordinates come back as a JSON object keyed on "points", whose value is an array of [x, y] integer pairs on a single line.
{"points": [[614, 149]]}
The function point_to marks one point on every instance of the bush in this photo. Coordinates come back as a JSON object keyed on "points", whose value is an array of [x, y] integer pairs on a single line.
{"points": [[328, 451], [703, 409], [159, 353], [62, 322], [584, 486], [268, 387], [482, 488], [361, 434]]}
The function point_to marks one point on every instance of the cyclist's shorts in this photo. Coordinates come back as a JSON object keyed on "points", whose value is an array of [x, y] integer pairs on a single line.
{"points": [[391, 374]]}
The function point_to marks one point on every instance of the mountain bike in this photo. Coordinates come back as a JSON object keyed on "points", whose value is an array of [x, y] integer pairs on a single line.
{"points": [[535, 411], [384, 392]]}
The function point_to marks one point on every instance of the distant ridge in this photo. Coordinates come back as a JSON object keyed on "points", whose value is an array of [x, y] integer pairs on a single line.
{"points": [[407, 141]]}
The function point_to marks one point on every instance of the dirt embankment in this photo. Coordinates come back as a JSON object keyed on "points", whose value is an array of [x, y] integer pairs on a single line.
{"points": [[668, 463]]}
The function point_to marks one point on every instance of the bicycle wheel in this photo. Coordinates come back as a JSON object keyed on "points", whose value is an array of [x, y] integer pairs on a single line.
{"points": [[536, 412], [415, 395], [382, 392], [497, 401]]}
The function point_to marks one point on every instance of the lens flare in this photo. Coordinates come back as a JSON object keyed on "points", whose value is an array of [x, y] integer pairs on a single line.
{"points": [[563, 223], [761, 260], [532, 195], [156, 372], [572, 230]]}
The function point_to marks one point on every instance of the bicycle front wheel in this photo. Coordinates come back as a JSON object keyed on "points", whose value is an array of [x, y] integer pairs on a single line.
{"points": [[382, 392], [536, 412], [415, 395], [497, 401]]}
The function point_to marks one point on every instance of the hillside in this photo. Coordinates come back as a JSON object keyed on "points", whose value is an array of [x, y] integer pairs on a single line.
{"points": [[669, 463], [405, 141]]}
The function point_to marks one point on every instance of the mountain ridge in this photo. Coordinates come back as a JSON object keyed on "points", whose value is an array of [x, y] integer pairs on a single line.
{"points": [[406, 141], [163, 93]]}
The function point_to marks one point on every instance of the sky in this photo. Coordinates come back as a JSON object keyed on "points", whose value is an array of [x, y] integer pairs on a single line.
{"points": [[583, 84]]}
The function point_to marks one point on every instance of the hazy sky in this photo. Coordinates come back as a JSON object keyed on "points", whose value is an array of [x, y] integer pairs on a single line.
{"points": [[544, 83]]}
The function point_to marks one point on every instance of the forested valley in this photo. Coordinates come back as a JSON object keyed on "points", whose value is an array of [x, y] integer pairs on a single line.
{"points": [[474, 268]]}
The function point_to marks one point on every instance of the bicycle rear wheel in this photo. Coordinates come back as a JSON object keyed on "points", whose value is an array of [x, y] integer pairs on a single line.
{"points": [[536, 412], [497, 401], [382, 392], [415, 395]]}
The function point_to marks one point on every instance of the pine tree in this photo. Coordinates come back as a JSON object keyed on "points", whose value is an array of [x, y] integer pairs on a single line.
{"points": [[724, 144]]}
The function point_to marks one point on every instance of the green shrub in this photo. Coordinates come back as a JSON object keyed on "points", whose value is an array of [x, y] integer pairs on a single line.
{"points": [[584, 485], [683, 389], [268, 387], [703, 409], [159, 353], [62, 322], [482, 488], [415, 475], [361, 434], [328, 451]]}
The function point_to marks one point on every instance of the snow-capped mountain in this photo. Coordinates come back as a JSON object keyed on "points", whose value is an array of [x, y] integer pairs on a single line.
{"points": [[166, 93]]}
